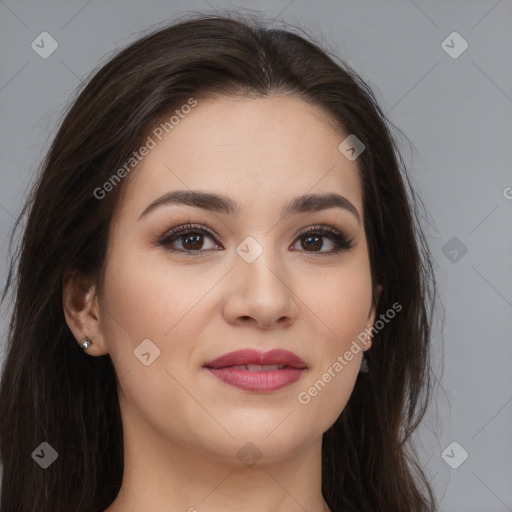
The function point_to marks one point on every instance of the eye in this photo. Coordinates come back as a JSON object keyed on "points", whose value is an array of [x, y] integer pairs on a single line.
{"points": [[311, 240], [191, 238]]}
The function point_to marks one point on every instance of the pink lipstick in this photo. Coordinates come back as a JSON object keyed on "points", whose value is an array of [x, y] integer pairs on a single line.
{"points": [[261, 372]]}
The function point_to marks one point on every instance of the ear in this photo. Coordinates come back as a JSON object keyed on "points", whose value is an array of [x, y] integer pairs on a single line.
{"points": [[82, 312], [371, 317]]}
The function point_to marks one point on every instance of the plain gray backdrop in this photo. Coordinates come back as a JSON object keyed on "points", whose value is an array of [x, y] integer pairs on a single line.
{"points": [[453, 103]]}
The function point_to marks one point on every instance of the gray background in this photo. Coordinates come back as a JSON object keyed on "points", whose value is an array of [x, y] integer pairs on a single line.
{"points": [[456, 112]]}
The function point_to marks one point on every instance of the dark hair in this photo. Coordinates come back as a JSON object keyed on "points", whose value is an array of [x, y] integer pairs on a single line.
{"points": [[52, 391]]}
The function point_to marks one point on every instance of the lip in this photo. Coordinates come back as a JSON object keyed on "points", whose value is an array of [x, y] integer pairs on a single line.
{"points": [[227, 368]]}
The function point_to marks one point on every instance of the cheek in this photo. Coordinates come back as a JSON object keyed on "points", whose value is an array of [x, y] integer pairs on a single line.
{"points": [[144, 301], [150, 300], [341, 310], [321, 401], [342, 304], [154, 300]]}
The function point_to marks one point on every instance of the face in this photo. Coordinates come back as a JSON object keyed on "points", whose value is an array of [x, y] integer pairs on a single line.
{"points": [[175, 301]]}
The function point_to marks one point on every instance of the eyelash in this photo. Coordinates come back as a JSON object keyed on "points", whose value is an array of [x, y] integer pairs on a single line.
{"points": [[341, 242]]}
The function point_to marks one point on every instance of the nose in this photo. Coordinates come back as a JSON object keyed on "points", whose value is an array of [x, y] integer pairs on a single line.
{"points": [[261, 293]]}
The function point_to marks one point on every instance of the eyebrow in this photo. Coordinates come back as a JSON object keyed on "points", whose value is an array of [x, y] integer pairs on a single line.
{"points": [[222, 204]]}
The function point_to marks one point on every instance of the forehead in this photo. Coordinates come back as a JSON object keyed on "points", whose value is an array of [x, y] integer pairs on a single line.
{"points": [[260, 151]]}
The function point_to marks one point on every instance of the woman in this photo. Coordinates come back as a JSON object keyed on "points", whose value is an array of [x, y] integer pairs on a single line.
{"points": [[223, 299]]}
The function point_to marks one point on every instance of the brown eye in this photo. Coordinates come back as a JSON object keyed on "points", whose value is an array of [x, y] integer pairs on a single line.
{"points": [[191, 239], [312, 240], [188, 238]]}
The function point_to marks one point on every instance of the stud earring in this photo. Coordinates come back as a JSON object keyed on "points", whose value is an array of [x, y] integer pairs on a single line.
{"points": [[86, 343], [364, 365]]}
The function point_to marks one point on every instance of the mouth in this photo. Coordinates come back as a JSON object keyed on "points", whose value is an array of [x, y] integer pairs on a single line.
{"points": [[255, 371], [259, 367]]}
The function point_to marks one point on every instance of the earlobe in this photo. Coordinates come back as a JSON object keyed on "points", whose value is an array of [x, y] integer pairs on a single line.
{"points": [[81, 311]]}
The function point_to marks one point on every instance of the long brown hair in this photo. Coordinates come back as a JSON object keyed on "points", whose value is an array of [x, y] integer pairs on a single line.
{"points": [[52, 392]]}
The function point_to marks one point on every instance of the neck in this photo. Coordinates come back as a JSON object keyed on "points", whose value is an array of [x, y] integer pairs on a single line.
{"points": [[162, 476]]}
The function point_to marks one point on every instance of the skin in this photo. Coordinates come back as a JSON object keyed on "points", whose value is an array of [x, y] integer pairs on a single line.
{"points": [[182, 426]]}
